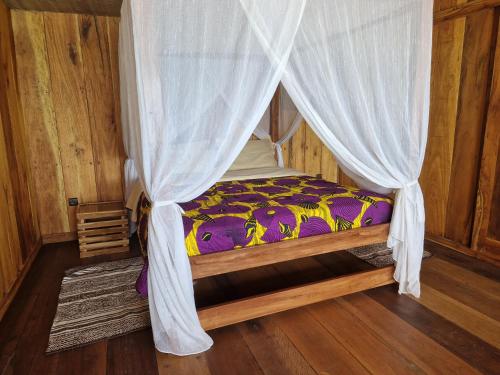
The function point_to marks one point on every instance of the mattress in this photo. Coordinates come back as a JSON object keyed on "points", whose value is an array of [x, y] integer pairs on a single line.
{"points": [[240, 214]]}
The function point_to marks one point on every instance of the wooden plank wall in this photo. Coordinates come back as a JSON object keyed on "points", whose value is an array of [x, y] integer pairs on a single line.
{"points": [[19, 233], [461, 75], [464, 38], [68, 78], [305, 152], [486, 234]]}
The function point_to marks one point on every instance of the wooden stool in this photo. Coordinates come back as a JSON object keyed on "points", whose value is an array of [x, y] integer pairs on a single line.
{"points": [[102, 228]]}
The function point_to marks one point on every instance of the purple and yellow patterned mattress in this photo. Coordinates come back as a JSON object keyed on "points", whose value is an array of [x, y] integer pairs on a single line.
{"points": [[241, 214]]}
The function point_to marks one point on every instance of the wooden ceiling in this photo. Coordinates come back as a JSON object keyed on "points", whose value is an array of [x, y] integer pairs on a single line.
{"points": [[97, 7]]}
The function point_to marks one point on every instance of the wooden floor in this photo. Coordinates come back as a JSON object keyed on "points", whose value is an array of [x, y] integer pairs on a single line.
{"points": [[453, 329]]}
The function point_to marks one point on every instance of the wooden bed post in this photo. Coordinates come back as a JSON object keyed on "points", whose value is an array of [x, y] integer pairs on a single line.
{"points": [[275, 114]]}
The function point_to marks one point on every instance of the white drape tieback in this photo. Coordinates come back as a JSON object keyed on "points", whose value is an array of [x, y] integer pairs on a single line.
{"points": [[279, 154], [156, 204], [406, 236]]}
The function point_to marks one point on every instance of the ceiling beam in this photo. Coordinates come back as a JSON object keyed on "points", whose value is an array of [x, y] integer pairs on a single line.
{"points": [[96, 7]]}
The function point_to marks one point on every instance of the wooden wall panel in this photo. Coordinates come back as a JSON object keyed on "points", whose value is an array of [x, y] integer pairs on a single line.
{"points": [[486, 239], [312, 148], [19, 234], [468, 136], [68, 78], [12, 117], [296, 147], [10, 248], [73, 125], [329, 167], [36, 96], [445, 85], [305, 152], [104, 117], [461, 76]]}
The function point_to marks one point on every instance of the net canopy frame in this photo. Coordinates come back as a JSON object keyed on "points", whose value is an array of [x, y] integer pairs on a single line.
{"points": [[196, 78]]}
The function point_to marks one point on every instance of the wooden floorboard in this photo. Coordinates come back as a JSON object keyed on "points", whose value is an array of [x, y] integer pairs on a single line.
{"points": [[468, 347], [452, 329]]}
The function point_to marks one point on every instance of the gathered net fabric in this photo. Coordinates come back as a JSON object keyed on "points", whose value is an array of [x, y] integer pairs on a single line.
{"points": [[196, 78], [359, 73], [289, 122]]}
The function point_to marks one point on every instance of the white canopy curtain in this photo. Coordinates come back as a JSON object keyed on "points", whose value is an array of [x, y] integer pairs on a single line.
{"points": [[196, 81], [197, 76], [359, 73]]}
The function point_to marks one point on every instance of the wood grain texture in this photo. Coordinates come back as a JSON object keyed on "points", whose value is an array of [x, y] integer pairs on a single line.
{"points": [[235, 260], [415, 345], [73, 129], [97, 7], [486, 239], [40, 122], [469, 127], [290, 298], [464, 316], [106, 134], [445, 86], [445, 10], [10, 249], [15, 142], [307, 153], [274, 114], [312, 150], [296, 148], [329, 167], [19, 233], [71, 104]]}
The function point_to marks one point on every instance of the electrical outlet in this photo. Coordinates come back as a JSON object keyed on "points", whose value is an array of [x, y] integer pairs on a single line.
{"points": [[73, 201]]}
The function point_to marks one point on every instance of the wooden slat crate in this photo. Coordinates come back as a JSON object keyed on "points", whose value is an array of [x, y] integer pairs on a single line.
{"points": [[102, 228]]}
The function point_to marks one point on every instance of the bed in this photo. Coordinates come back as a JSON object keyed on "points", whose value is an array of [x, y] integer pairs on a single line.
{"points": [[240, 214], [266, 214]]}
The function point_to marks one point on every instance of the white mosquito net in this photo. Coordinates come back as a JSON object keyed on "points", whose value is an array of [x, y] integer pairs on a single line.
{"points": [[196, 78]]}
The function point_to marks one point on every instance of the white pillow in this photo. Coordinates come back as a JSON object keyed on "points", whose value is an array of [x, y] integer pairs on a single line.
{"points": [[255, 154]]}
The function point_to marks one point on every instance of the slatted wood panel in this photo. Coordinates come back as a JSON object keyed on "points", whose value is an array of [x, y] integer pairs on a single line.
{"points": [[102, 228], [68, 78]]}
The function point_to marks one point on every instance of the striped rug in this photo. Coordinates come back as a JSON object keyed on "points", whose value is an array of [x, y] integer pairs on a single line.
{"points": [[97, 302], [100, 301], [377, 255]]}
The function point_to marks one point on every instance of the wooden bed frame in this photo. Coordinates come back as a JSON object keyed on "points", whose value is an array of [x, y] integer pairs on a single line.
{"points": [[269, 303], [224, 314]]}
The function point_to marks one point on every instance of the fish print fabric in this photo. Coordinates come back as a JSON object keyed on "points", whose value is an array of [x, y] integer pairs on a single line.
{"points": [[238, 214]]}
